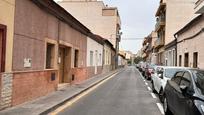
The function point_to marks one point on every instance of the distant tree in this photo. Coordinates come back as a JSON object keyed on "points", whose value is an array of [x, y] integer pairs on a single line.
{"points": [[137, 60], [129, 62]]}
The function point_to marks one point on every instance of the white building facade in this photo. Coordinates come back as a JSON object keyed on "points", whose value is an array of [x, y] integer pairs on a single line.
{"points": [[94, 56]]}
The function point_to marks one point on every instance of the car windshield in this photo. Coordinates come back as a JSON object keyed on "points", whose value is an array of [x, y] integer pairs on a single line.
{"points": [[151, 66], [169, 72], [200, 80]]}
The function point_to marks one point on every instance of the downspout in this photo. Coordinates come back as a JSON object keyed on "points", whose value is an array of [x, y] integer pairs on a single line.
{"points": [[176, 49], [103, 57], [58, 38]]}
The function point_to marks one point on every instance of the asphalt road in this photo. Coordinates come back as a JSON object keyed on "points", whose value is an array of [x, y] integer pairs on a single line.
{"points": [[125, 94]]}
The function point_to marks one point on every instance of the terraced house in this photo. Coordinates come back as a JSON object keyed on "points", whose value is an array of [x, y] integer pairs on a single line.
{"points": [[171, 16], [189, 40], [148, 48], [95, 55], [101, 19], [43, 49], [6, 43]]}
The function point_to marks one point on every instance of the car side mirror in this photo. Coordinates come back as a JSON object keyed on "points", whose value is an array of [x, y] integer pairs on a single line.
{"points": [[183, 89], [160, 75]]}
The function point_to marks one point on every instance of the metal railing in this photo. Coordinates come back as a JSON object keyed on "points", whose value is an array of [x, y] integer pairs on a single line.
{"points": [[160, 20]]}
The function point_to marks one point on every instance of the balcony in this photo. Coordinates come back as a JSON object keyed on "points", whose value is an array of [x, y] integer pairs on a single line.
{"points": [[199, 7], [161, 8], [159, 42], [160, 23], [144, 55]]}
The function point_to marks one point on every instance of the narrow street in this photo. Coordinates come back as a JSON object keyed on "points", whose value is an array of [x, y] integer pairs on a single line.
{"points": [[124, 94]]}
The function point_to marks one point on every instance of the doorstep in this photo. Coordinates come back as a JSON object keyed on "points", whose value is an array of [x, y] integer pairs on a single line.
{"points": [[50, 102], [62, 86]]}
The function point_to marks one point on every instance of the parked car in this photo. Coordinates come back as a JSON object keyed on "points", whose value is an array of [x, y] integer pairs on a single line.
{"points": [[143, 68], [140, 66], [137, 66], [160, 77], [184, 93], [149, 71]]}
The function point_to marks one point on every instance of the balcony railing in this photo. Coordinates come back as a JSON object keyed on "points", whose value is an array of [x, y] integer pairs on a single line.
{"points": [[160, 23], [159, 42], [199, 7]]}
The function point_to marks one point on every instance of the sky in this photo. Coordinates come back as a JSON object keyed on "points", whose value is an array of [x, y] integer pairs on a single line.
{"points": [[138, 21]]}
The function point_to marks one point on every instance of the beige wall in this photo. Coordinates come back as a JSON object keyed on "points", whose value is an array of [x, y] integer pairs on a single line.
{"points": [[192, 45], [178, 14], [91, 15], [107, 55], [7, 9], [199, 5], [154, 37]]}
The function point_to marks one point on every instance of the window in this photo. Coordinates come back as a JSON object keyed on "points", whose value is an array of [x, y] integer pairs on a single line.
{"points": [[185, 79], [91, 58], [76, 56], [180, 60], [170, 58], [195, 59], [170, 72], [96, 58], [177, 77], [186, 60], [50, 56], [106, 57], [199, 80]]}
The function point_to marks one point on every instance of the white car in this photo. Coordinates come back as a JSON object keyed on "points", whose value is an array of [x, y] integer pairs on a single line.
{"points": [[160, 77]]}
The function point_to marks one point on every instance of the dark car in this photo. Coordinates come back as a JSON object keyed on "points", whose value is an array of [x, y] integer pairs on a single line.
{"points": [[140, 66], [184, 93]]}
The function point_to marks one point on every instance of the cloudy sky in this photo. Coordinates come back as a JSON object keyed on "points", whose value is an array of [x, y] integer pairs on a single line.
{"points": [[138, 20]]}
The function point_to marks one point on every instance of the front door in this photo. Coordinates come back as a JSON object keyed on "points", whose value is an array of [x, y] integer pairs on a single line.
{"points": [[61, 64]]}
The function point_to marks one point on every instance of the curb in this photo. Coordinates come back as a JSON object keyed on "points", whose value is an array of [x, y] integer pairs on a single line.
{"points": [[75, 95]]}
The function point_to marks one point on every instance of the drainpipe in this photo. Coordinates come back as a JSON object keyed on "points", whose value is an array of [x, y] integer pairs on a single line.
{"points": [[175, 49], [58, 38]]}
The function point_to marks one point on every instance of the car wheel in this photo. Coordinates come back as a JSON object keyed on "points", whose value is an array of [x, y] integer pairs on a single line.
{"points": [[166, 108], [143, 74], [153, 89], [149, 78], [161, 96]]}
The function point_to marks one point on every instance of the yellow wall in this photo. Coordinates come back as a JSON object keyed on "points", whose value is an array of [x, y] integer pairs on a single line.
{"points": [[7, 8]]}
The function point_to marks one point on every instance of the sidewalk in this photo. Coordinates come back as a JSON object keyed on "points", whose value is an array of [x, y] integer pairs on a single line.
{"points": [[46, 104]]}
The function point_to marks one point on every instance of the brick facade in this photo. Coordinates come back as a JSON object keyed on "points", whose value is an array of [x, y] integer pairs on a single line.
{"points": [[30, 85], [36, 24], [30, 42], [78, 75], [6, 90], [91, 71]]}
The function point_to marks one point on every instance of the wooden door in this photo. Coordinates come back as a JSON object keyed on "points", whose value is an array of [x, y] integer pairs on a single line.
{"points": [[61, 64]]}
